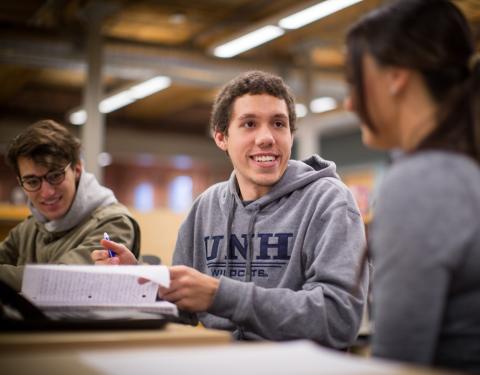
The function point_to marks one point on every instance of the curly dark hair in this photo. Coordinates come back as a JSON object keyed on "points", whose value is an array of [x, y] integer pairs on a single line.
{"points": [[252, 83]]}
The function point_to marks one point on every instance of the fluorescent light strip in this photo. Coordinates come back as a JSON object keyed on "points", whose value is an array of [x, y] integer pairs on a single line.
{"points": [[314, 13], [116, 101], [248, 41], [301, 110], [323, 104], [123, 98], [150, 87], [270, 32]]}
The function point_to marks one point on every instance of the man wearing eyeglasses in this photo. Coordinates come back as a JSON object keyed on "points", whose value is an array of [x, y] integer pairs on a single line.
{"points": [[70, 209]]}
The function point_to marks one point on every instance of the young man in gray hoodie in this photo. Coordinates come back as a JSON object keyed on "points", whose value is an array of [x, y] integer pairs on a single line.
{"points": [[273, 252], [70, 209]]}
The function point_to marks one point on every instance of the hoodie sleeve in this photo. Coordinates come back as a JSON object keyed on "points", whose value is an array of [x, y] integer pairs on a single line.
{"points": [[328, 307]]}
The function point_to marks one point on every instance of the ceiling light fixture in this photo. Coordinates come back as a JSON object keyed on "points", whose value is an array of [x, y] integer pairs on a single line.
{"points": [[123, 98], [301, 110], [116, 101], [78, 117], [314, 13], [266, 33], [150, 87], [248, 41], [323, 104]]}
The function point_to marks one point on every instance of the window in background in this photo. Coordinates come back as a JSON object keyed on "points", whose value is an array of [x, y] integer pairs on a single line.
{"points": [[346, 149], [143, 197], [359, 167], [180, 193]]}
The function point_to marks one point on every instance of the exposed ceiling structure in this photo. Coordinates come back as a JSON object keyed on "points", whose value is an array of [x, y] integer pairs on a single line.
{"points": [[43, 54]]}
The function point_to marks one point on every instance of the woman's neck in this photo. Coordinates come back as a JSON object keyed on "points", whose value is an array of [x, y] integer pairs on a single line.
{"points": [[418, 118]]}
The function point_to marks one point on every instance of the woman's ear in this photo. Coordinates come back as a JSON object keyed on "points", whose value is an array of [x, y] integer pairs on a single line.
{"points": [[398, 80]]}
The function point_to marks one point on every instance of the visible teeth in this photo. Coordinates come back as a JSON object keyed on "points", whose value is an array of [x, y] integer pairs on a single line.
{"points": [[51, 201], [264, 158]]}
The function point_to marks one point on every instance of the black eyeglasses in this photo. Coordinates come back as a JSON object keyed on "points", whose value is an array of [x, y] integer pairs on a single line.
{"points": [[34, 183]]}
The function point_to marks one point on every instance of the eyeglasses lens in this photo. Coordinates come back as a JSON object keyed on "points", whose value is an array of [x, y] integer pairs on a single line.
{"points": [[32, 184]]}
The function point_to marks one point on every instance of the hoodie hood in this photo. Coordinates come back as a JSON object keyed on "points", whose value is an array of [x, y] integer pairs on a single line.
{"points": [[89, 196], [297, 175]]}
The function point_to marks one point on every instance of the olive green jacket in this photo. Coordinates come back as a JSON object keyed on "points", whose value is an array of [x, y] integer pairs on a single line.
{"points": [[30, 242]]}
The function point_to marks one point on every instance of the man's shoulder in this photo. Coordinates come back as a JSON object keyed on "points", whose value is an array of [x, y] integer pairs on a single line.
{"points": [[329, 193], [28, 222], [115, 209], [328, 185], [210, 202], [215, 191], [27, 225]]}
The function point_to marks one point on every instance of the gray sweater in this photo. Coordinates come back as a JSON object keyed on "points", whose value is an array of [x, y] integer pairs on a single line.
{"points": [[287, 262], [425, 241]]}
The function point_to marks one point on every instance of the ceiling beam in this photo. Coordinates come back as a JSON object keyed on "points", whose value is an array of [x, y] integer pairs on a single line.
{"points": [[131, 61]]}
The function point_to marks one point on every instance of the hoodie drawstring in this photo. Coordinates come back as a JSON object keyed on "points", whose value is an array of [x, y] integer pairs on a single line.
{"points": [[228, 232], [251, 224]]}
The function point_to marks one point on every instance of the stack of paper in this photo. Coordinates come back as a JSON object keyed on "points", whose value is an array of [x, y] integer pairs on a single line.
{"points": [[98, 288]]}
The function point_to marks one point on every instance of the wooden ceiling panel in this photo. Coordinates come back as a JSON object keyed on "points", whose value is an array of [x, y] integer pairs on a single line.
{"points": [[59, 78], [13, 79], [471, 9], [169, 102], [12, 11], [158, 37], [327, 57], [154, 24], [43, 100]]}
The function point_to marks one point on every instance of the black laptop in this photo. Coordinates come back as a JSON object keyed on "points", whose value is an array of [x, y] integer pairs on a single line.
{"points": [[19, 314]]}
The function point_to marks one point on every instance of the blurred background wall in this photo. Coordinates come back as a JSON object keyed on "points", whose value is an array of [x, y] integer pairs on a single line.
{"points": [[75, 61]]}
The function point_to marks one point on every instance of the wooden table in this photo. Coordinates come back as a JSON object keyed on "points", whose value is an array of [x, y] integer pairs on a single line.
{"points": [[171, 335], [179, 350]]}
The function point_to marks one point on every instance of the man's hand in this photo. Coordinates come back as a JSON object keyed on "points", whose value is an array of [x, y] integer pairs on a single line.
{"points": [[122, 254], [190, 289]]}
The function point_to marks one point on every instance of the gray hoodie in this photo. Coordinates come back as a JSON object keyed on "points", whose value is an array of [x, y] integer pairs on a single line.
{"points": [[288, 269]]}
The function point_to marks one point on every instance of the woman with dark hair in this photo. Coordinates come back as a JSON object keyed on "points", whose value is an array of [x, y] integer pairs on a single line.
{"points": [[415, 83]]}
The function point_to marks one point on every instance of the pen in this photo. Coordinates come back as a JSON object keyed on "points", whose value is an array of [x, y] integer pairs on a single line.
{"points": [[111, 254]]}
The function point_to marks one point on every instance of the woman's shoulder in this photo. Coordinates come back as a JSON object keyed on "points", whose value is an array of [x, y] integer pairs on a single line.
{"points": [[437, 168]]}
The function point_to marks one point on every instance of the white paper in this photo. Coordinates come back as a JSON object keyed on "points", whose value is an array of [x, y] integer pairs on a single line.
{"points": [[113, 311], [299, 357], [92, 285]]}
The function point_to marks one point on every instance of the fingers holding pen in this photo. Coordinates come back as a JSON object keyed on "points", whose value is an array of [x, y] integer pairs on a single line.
{"points": [[121, 254], [101, 257], [124, 255]]}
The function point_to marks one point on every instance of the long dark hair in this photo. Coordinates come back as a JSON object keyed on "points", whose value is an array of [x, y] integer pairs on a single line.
{"points": [[433, 38]]}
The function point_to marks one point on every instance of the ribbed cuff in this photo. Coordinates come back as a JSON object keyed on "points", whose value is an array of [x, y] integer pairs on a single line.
{"points": [[228, 298]]}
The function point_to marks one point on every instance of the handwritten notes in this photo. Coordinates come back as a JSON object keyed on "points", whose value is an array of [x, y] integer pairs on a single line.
{"points": [[67, 285]]}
